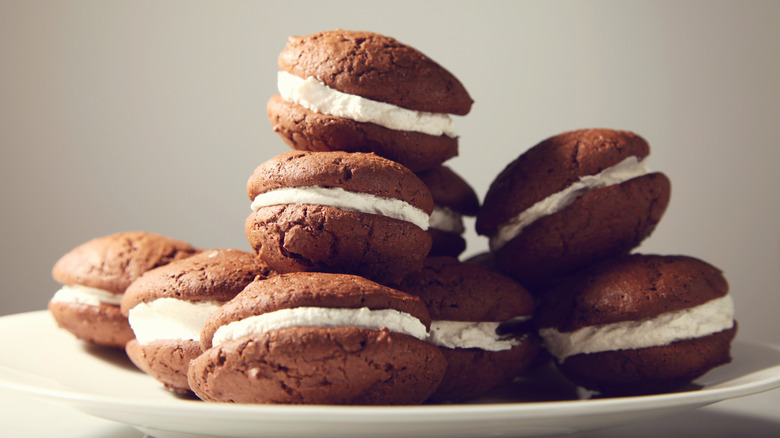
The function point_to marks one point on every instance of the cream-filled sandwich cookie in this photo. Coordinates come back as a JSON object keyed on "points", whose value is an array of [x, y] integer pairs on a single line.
{"points": [[639, 323], [453, 199], [481, 322], [365, 92], [339, 212], [572, 200], [167, 307], [318, 338], [95, 275]]}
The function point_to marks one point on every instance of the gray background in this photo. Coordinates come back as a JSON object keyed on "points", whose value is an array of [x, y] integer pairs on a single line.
{"points": [[150, 115]]}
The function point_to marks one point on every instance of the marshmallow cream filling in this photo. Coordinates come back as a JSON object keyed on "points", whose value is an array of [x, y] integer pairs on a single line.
{"points": [[321, 317], [446, 219], [170, 318], [318, 97], [345, 200], [695, 322], [471, 334], [627, 169], [90, 296]]}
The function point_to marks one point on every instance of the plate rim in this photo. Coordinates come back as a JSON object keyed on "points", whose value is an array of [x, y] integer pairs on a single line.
{"points": [[414, 413]]}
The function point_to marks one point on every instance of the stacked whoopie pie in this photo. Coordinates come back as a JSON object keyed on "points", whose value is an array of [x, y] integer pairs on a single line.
{"points": [[353, 292], [349, 218], [562, 219]]}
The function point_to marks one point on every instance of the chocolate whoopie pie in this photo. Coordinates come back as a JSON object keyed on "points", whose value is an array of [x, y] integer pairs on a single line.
{"points": [[481, 322], [342, 212], [318, 338], [571, 200], [365, 92], [453, 198], [96, 273], [167, 307], [639, 324]]}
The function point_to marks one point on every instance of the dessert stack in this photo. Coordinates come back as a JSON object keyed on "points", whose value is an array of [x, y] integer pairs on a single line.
{"points": [[354, 293]]}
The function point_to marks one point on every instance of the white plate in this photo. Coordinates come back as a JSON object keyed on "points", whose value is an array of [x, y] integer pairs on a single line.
{"points": [[42, 360]]}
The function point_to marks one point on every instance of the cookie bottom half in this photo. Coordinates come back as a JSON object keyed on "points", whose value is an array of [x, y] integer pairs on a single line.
{"points": [[601, 223], [101, 325], [306, 130], [471, 372], [295, 238], [165, 360], [649, 370]]}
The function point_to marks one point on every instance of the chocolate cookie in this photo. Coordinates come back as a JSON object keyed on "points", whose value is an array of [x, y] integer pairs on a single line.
{"points": [[167, 306], [639, 324], [96, 273], [339, 212], [365, 92], [486, 259], [317, 338], [481, 322], [453, 198], [569, 201]]}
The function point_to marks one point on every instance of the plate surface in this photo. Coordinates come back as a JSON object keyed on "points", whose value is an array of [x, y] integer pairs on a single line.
{"points": [[41, 360]]}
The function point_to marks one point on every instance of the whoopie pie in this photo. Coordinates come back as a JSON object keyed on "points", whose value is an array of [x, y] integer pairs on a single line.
{"points": [[94, 276], [365, 92], [318, 338], [341, 212], [571, 200], [167, 307], [639, 323]]}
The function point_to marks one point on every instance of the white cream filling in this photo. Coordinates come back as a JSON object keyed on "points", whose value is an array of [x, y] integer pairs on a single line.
{"points": [[318, 97], [711, 317], [345, 200], [321, 317], [170, 318], [627, 169], [471, 334], [446, 219], [90, 296]]}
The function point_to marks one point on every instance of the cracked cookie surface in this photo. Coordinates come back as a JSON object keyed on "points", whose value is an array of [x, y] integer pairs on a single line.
{"points": [[293, 238], [376, 67], [319, 366]]}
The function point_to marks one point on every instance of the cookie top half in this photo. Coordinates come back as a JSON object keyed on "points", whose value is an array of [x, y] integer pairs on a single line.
{"points": [[461, 291], [630, 288], [312, 289], [450, 190], [212, 275], [551, 166], [376, 67], [354, 172], [114, 261]]}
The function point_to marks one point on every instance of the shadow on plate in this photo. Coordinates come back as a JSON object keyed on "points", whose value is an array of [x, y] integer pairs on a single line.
{"points": [[542, 384], [114, 356]]}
